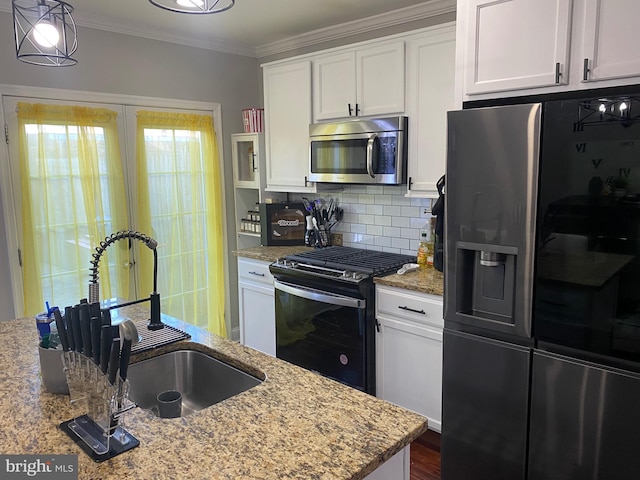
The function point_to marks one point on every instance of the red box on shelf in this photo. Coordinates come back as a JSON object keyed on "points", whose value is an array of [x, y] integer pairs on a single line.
{"points": [[253, 120]]}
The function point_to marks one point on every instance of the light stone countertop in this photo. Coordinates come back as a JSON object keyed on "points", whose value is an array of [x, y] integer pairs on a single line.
{"points": [[424, 280], [270, 254], [295, 425]]}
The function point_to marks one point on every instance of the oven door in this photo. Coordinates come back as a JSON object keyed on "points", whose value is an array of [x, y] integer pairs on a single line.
{"points": [[322, 331]]}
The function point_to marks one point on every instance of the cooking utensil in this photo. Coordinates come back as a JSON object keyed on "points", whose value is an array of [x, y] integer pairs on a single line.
{"points": [[106, 317], [69, 328], [96, 326], [85, 329], [113, 360], [62, 331], [75, 322], [125, 354], [107, 334]]}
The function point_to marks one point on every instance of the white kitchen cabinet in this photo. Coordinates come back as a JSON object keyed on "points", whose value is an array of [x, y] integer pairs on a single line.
{"points": [[256, 305], [516, 44], [409, 351], [396, 468], [533, 47], [430, 94], [246, 151], [287, 110], [610, 40], [362, 81]]}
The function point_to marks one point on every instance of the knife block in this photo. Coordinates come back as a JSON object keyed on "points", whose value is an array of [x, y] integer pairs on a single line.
{"points": [[98, 406]]}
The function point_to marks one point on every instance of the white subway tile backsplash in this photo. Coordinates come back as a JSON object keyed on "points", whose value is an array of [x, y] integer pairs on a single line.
{"points": [[402, 222], [381, 218]]}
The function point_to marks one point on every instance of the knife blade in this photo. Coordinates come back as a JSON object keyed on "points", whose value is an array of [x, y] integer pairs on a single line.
{"points": [[62, 331], [85, 329], [113, 360], [96, 326]]}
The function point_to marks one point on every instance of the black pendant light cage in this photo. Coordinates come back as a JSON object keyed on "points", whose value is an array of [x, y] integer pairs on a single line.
{"points": [[30, 14], [624, 110], [194, 6]]}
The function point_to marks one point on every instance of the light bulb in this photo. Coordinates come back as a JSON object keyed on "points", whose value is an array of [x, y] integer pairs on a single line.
{"points": [[46, 34], [623, 107], [190, 3], [602, 108]]}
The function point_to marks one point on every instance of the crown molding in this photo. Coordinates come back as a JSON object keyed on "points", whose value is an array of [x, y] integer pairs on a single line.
{"points": [[400, 16], [424, 10]]}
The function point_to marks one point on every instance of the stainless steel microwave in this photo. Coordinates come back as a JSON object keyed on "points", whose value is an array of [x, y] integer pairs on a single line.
{"points": [[369, 151]]}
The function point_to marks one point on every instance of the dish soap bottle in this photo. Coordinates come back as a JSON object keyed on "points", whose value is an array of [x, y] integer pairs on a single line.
{"points": [[425, 249]]}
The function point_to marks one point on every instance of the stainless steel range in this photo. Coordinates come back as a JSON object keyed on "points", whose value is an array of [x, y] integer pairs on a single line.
{"points": [[325, 311]]}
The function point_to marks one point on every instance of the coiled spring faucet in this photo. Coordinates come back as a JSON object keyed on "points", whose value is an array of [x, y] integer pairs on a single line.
{"points": [[155, 322]]}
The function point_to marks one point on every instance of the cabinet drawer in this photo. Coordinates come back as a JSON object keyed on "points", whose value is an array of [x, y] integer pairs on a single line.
{"points": [[410, 305], [254, 271]]}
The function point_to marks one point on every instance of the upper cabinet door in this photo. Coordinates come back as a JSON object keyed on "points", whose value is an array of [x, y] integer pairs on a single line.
{"points": [[334, 85], [359, 82], [516, 44], [287, 109], [610, 40], [380, 79]]}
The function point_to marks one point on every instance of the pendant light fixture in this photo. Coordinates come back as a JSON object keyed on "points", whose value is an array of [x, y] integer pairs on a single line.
{"points": [[194, 6], [45, 32]]}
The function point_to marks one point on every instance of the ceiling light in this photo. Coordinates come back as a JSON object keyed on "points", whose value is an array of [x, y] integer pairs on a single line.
{"points": [[194, 6], [45, 32]]}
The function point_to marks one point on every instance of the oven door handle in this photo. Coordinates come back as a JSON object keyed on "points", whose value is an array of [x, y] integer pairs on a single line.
{"points": [[320, 296]]}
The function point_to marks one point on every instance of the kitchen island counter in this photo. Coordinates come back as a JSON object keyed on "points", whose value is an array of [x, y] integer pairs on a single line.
{"points": [[294, 425]]}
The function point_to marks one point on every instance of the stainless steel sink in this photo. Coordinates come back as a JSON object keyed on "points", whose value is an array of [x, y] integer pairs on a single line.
{"points": [[201, 379]]}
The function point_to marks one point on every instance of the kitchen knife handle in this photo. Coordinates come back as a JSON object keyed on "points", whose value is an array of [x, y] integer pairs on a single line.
{"points": [[62, 331], [105, 345], [77, 334], [106, 317], [125, 354], [85, 328], [113, 360], [96, 326], [94, 309], [67, 321]]}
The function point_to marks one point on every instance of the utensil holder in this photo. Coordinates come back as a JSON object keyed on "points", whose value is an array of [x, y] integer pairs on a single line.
{"points": [[99, 406]]}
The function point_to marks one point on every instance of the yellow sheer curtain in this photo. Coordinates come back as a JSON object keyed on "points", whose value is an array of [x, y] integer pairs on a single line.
{"points": [[73, 196], [179, 204]]}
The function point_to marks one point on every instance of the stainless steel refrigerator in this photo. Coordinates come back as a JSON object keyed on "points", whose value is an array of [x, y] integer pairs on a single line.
{"points": [[541, 358]]}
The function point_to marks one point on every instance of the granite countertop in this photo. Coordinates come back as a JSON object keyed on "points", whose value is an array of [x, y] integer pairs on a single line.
{"points": [[270, 254], [425, 280], [294, 425]]}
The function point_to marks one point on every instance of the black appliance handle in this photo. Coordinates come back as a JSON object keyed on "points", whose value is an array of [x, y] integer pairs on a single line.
{"points": [[320, 296]]}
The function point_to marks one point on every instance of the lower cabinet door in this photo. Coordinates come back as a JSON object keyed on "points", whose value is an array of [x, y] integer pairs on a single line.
{"points": [[257, 317], [409, 368], [396, 468]]}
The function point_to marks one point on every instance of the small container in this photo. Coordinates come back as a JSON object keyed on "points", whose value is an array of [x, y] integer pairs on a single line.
{"points": [[43, 322]]}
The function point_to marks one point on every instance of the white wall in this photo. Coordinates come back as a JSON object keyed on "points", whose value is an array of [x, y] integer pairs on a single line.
{"points": [[127, 65]]}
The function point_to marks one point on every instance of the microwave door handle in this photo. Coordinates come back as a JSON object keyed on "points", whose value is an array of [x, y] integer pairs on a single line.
{"points": [[319, 296], [370, 145]]}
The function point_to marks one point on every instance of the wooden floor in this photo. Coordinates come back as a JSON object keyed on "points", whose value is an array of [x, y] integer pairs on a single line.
{"points": [[425, 457]]}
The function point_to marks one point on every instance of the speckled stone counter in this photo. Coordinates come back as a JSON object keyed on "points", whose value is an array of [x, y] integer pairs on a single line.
{"points": [[270, 254], [295, 425], [425, 280]]}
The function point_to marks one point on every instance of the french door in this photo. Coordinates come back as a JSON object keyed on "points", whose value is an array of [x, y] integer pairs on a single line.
{"points": [[164, 195]]}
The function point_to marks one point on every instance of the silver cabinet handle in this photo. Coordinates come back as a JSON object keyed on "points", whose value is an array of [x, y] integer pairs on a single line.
{"points": [[585, 70], [256, 274], [412, 310]]}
